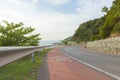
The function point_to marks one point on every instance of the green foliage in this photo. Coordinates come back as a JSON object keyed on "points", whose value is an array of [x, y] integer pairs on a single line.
{"points": [[116, 28], [100, 28], [88, 30], [23, 69], [16, 35], [97, 37], [111, 24], [65, 41], [104, 9]]}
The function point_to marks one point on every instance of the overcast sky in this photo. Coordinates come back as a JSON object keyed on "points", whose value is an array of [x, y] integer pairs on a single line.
{"points": [[53, 19]]}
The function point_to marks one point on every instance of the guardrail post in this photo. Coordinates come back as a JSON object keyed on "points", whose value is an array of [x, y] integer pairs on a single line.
{"points": [[41, 49], [33, 59]]}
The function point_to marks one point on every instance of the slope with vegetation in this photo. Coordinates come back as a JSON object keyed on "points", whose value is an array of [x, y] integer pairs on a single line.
{"points": [[23, 69], [100, 28], [89, 30], [112, 23], [65, 41]]}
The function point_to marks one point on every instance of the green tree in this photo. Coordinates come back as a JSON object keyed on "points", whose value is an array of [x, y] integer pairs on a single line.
{"points": [[111, 24], [100, 28], [16, 35], [104, 9], [88, 31], [65, 41]]}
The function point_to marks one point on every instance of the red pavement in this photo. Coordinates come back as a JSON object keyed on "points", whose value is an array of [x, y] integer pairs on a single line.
{"points": [[64, 68]]}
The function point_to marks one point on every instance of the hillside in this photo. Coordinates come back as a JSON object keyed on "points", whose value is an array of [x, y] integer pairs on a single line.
{"points": [[112, 23], [89, 30], [100, 28]]}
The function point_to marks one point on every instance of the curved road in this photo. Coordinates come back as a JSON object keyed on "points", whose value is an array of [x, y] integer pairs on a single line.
{"points": [[106, 62]]}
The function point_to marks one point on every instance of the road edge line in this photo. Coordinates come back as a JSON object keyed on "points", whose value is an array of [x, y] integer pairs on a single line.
{"points": [[91, 66]]}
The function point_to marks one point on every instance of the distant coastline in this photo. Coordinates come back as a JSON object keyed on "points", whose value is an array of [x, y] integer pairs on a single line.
{"points": [[48, 42]]}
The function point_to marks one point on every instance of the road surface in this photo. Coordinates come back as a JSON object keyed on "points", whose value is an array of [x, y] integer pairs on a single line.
{"points": [[106, 62], [62, 67]]}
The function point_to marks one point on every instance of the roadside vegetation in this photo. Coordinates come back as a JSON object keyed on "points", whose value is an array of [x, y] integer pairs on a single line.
{"points": [[100, 28], [101, 34], [23, 69], [15, 34]]}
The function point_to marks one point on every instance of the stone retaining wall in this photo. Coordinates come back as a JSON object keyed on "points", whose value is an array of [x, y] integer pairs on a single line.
{"points": [[110, 45]]}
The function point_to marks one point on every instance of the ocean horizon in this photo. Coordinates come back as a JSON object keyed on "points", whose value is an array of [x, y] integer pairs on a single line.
{"points": [[48, 42]]}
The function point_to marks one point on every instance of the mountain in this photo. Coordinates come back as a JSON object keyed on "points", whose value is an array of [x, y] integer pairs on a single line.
{"points": [[100, 28], [89, 30]]}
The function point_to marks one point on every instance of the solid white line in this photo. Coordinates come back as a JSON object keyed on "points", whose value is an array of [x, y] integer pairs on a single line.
{"points": [[98, 69]]}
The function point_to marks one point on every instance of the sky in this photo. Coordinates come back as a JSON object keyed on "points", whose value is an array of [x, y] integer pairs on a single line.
{"points": [[53, 19]]}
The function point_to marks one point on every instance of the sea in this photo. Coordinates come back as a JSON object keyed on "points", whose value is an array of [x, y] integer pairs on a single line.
{"points": [[48, 42]]}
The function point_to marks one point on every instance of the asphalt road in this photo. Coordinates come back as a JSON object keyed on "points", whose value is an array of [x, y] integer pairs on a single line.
{"points": [[107, 62], [62, 67]]}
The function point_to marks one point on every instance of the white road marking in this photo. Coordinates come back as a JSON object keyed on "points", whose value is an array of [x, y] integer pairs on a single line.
{"points": [[59, 59], [98, 69]]}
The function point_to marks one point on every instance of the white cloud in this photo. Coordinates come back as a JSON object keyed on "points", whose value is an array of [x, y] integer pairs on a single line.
{"points": [[35, 1], [14, 1], [51, 25], [92, 7], [55, 25], [57, 2]]}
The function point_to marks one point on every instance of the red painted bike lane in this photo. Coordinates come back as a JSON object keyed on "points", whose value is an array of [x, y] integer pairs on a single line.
{"points": [[63, 68]]}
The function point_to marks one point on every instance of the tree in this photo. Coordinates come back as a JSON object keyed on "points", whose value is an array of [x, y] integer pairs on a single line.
{"points": [[111, 25], [65, 41], [88, 31], [100, 28], [16, 35], [104, 9]]}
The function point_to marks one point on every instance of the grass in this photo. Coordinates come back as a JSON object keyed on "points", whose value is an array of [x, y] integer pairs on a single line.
{"points": [[23, 69]]}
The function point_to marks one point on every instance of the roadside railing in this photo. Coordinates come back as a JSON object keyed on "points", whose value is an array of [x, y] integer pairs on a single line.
{"points": [[10, 54]]}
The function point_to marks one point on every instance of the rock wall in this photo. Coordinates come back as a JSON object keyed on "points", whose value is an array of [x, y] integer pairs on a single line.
{"points": [[110, 45]]}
